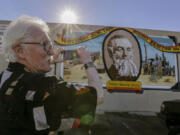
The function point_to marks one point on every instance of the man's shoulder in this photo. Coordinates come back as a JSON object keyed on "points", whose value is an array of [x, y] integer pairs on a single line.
{"points": [[38, 80], [38, 76]]}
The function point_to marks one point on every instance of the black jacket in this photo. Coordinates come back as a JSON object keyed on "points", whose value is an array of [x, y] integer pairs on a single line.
{"points": [[32, 103]]}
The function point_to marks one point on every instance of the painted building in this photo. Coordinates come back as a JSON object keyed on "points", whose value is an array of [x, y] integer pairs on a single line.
{"points": [[158, 71]]}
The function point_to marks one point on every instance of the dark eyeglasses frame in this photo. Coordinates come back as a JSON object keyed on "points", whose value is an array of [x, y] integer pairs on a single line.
{"points": [[44, 44]]}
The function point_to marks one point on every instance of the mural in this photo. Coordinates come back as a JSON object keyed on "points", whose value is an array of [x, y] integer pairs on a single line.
{"points": [[150, 59]]}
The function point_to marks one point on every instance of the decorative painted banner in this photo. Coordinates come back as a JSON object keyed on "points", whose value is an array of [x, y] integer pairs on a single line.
{"points": [[63, 41], [132, 86]]}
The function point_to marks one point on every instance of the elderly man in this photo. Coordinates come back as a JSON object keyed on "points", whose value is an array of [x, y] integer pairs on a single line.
{"points": [[32, 103], [120, 50]]}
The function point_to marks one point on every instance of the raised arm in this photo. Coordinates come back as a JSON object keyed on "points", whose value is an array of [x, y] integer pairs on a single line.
{"points": [[92, 75]]}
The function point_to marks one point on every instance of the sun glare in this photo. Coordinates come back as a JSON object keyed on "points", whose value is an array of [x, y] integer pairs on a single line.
{"points": [[68, 16]]}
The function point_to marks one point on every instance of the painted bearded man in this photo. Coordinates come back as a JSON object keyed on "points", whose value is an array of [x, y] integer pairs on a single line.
{"points": [[120, 50]]}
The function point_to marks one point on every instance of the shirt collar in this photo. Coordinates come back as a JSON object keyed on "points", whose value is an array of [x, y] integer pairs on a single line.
{"points": [[18, 67]]}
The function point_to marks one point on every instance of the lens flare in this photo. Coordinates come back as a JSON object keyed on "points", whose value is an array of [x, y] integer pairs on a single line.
{"points": [[68, 16]]}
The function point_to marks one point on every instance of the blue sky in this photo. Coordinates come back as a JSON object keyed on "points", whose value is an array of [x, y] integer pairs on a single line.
{"points": [[149, 14]]}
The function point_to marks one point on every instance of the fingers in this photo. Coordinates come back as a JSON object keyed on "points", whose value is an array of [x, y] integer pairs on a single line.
{"points": [[57, 61], [83, 51], [84, 54], [55, 57], [58, 52]]}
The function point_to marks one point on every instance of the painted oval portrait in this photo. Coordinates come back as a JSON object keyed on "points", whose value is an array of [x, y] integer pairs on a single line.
{"points": [[122, 55]]}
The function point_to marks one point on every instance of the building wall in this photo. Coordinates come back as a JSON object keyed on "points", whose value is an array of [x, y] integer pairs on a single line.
{"points": [[149, 100]]}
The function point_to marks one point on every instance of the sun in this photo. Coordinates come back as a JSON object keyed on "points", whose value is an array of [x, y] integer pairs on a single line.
{"points": [[68, 16]]}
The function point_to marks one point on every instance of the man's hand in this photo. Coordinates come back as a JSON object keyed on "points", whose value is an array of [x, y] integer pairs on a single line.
{"points": [[55, 57], [84, 55]]}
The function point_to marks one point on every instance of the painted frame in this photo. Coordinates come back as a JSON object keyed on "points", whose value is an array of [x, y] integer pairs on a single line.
{"points": [[136, 59]]}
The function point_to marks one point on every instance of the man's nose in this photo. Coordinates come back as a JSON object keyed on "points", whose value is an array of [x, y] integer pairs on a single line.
{"points": [[124, 54]]}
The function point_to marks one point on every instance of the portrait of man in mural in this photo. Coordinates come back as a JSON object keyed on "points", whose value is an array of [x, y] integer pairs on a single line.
{"points": [[121, 51]]}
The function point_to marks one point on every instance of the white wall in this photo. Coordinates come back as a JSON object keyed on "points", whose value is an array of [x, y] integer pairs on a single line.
{"points": [[149, 100]]}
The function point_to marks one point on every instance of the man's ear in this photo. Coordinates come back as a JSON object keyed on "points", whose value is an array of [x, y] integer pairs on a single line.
{"points": [[19, 51]]}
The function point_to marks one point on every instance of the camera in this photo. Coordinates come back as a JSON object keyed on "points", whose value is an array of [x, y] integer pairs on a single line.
{"points": [[70, 54]]}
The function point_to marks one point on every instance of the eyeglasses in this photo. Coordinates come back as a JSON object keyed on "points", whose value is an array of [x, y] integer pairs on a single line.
{"points": [[46, 46]]}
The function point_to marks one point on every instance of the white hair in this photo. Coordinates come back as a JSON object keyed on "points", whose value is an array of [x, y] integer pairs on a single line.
{"points": [[18, 30]]}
